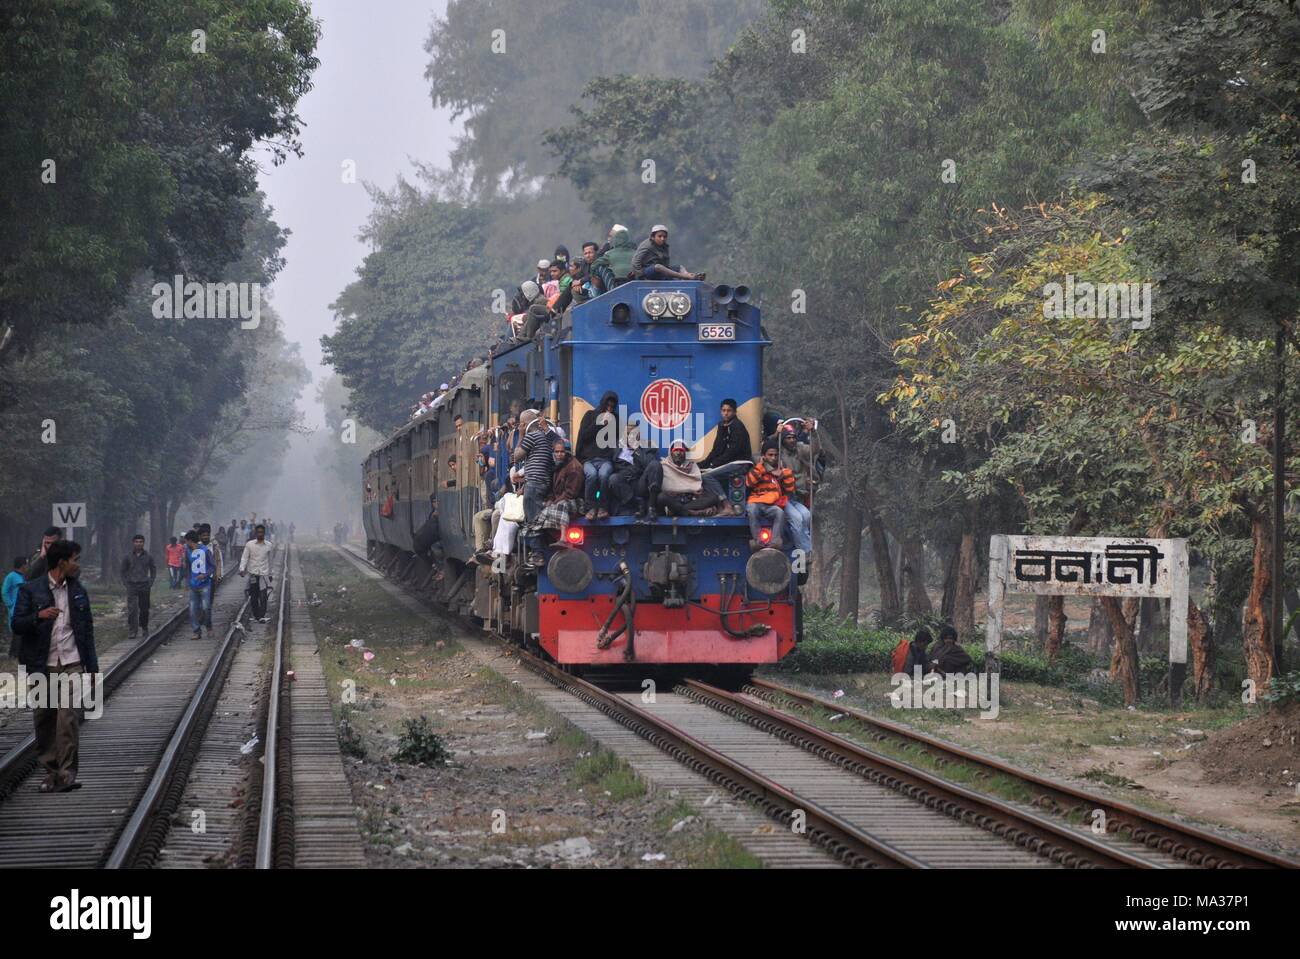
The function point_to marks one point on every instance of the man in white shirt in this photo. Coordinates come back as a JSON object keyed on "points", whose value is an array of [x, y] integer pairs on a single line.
{"points": [[256, 563]]}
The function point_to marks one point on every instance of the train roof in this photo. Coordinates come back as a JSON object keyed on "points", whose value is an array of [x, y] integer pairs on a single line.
{"points": [[474, 379]]}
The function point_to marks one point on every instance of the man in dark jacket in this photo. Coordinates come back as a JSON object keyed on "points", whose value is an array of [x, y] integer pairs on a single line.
{"points": [[138, 572], [597, 447], [731, 453], [917, 653], [54, 622], [651, 260], [636, 471], [36, 568], [948, 657]]}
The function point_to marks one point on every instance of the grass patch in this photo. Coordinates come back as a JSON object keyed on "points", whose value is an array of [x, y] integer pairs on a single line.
{"points": [[700, 846], [607, 772]]}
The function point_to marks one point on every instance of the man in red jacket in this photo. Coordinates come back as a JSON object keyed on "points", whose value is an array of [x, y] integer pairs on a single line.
{"points": [[770, 487]]}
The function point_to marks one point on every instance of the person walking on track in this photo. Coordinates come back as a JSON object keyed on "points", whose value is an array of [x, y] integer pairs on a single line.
{"points": [[138, 572], [256, 564], [199, 566], [57, 629]]}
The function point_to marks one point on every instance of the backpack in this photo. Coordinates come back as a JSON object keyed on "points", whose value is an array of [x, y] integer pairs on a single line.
{"points": [[898, 658]]}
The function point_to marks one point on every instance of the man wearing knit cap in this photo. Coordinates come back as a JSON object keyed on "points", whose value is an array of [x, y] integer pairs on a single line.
{"points": [[651, 260]]}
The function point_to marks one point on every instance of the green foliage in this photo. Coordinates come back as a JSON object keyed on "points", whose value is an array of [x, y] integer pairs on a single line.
{"points": [[420, 306], [420, 745], [1283, 689]]}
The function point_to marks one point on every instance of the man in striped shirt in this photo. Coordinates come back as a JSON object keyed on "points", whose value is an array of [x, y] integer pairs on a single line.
{"points": [[537, 452]]}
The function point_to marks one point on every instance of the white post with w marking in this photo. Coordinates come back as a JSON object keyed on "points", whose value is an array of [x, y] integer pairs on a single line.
{"points": [[70, 516]]}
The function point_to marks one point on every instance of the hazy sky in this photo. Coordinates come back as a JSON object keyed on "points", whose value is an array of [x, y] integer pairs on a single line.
{"points": [[370, 103]]}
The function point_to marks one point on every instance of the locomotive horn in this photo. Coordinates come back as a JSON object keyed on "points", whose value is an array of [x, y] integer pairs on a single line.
{"points": [[742, 294], [722, 293]]}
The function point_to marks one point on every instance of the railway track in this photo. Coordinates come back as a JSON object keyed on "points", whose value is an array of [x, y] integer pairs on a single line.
{"points": [[1152, 839], [868, 809], [148, 693], [157, 755]]}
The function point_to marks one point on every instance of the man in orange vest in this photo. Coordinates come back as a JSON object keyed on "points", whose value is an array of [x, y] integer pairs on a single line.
{"points": [[770, 487]]}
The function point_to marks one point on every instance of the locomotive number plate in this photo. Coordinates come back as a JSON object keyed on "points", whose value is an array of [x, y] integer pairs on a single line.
{"points": [[717, 332]]}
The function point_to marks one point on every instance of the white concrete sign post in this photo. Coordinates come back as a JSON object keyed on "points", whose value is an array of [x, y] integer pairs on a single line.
{"points": [[1091, 566], [70, 516]]}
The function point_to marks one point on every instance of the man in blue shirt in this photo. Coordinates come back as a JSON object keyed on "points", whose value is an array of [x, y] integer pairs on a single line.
{"points": [[9, 594], [199, 565]]}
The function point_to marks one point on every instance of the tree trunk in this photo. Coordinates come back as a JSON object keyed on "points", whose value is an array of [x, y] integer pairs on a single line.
{"points": [[1124, 658], [891, 608], [1055, 626], [949, 602], [1040, 621], [1257, 632], [963, 615], [1201, 642], [918, 600], [1099, 629], [850, 565], [817, 575], [1148, 617], [107, 536]]}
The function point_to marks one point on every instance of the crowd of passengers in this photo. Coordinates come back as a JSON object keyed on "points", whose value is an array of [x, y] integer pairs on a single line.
{"points": [[611, 473], [563, 282]]}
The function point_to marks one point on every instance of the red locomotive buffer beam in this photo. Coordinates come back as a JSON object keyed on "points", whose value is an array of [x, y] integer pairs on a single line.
{"points": [[686, 634]]}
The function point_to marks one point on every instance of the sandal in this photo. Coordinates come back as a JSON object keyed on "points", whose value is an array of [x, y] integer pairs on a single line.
{"points": [[589, 515]]}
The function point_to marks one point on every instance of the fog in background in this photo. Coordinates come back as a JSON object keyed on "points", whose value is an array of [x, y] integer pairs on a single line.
{"points": [[370, 103]]}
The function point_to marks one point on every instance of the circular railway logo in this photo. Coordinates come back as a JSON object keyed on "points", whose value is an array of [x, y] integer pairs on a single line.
{"points": [[665, 404]]}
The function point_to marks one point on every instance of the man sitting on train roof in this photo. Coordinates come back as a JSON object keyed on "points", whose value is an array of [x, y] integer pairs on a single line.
{"points": [[526, 324], [682, 490], [613, 267], [598, 445], [651, 260], [770, 487]]}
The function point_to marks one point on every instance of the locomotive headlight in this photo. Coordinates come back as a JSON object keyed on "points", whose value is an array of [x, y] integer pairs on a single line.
{"points": [[656, 304], [679, 304]]}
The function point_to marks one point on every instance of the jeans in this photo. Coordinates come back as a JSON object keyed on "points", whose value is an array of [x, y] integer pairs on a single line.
{"points": [[200, 606], [597, 471], [534, 497], [137, 607], [175, 573], [257, 595], [759, 513], [799, 518]]}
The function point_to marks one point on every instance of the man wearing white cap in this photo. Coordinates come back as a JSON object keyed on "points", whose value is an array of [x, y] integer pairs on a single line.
{"points": [[543, 273], [651, 260]]}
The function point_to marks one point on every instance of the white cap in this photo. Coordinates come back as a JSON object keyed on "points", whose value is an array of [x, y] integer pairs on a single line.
{"points": [[617, 226], [658, 228], [543, 264]]}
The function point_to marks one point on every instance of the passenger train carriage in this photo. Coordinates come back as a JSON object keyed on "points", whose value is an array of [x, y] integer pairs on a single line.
{"points": [[673, 591]]}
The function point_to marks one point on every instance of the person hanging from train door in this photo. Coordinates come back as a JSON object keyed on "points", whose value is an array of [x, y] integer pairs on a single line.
{"points": [[597, 448], [427, 541], [798, 458], [56, 631], [565, 499], [652, 261], [536, 451], [731, 455], [255, 563]]}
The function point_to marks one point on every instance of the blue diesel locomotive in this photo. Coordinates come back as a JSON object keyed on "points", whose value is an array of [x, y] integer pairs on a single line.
{"points": [[670, 591]]}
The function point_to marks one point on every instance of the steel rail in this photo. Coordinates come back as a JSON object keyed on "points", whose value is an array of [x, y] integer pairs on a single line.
{"points": [[270, 767], [1196, 846], [1036, 833]]}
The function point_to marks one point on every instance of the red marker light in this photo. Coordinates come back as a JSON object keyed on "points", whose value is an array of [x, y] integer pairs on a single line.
{"points": [[574, 536], [764, 535]]}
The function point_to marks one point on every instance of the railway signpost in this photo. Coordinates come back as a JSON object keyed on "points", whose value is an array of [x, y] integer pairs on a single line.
{"points": [[69, 516], [1091, 566]]}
